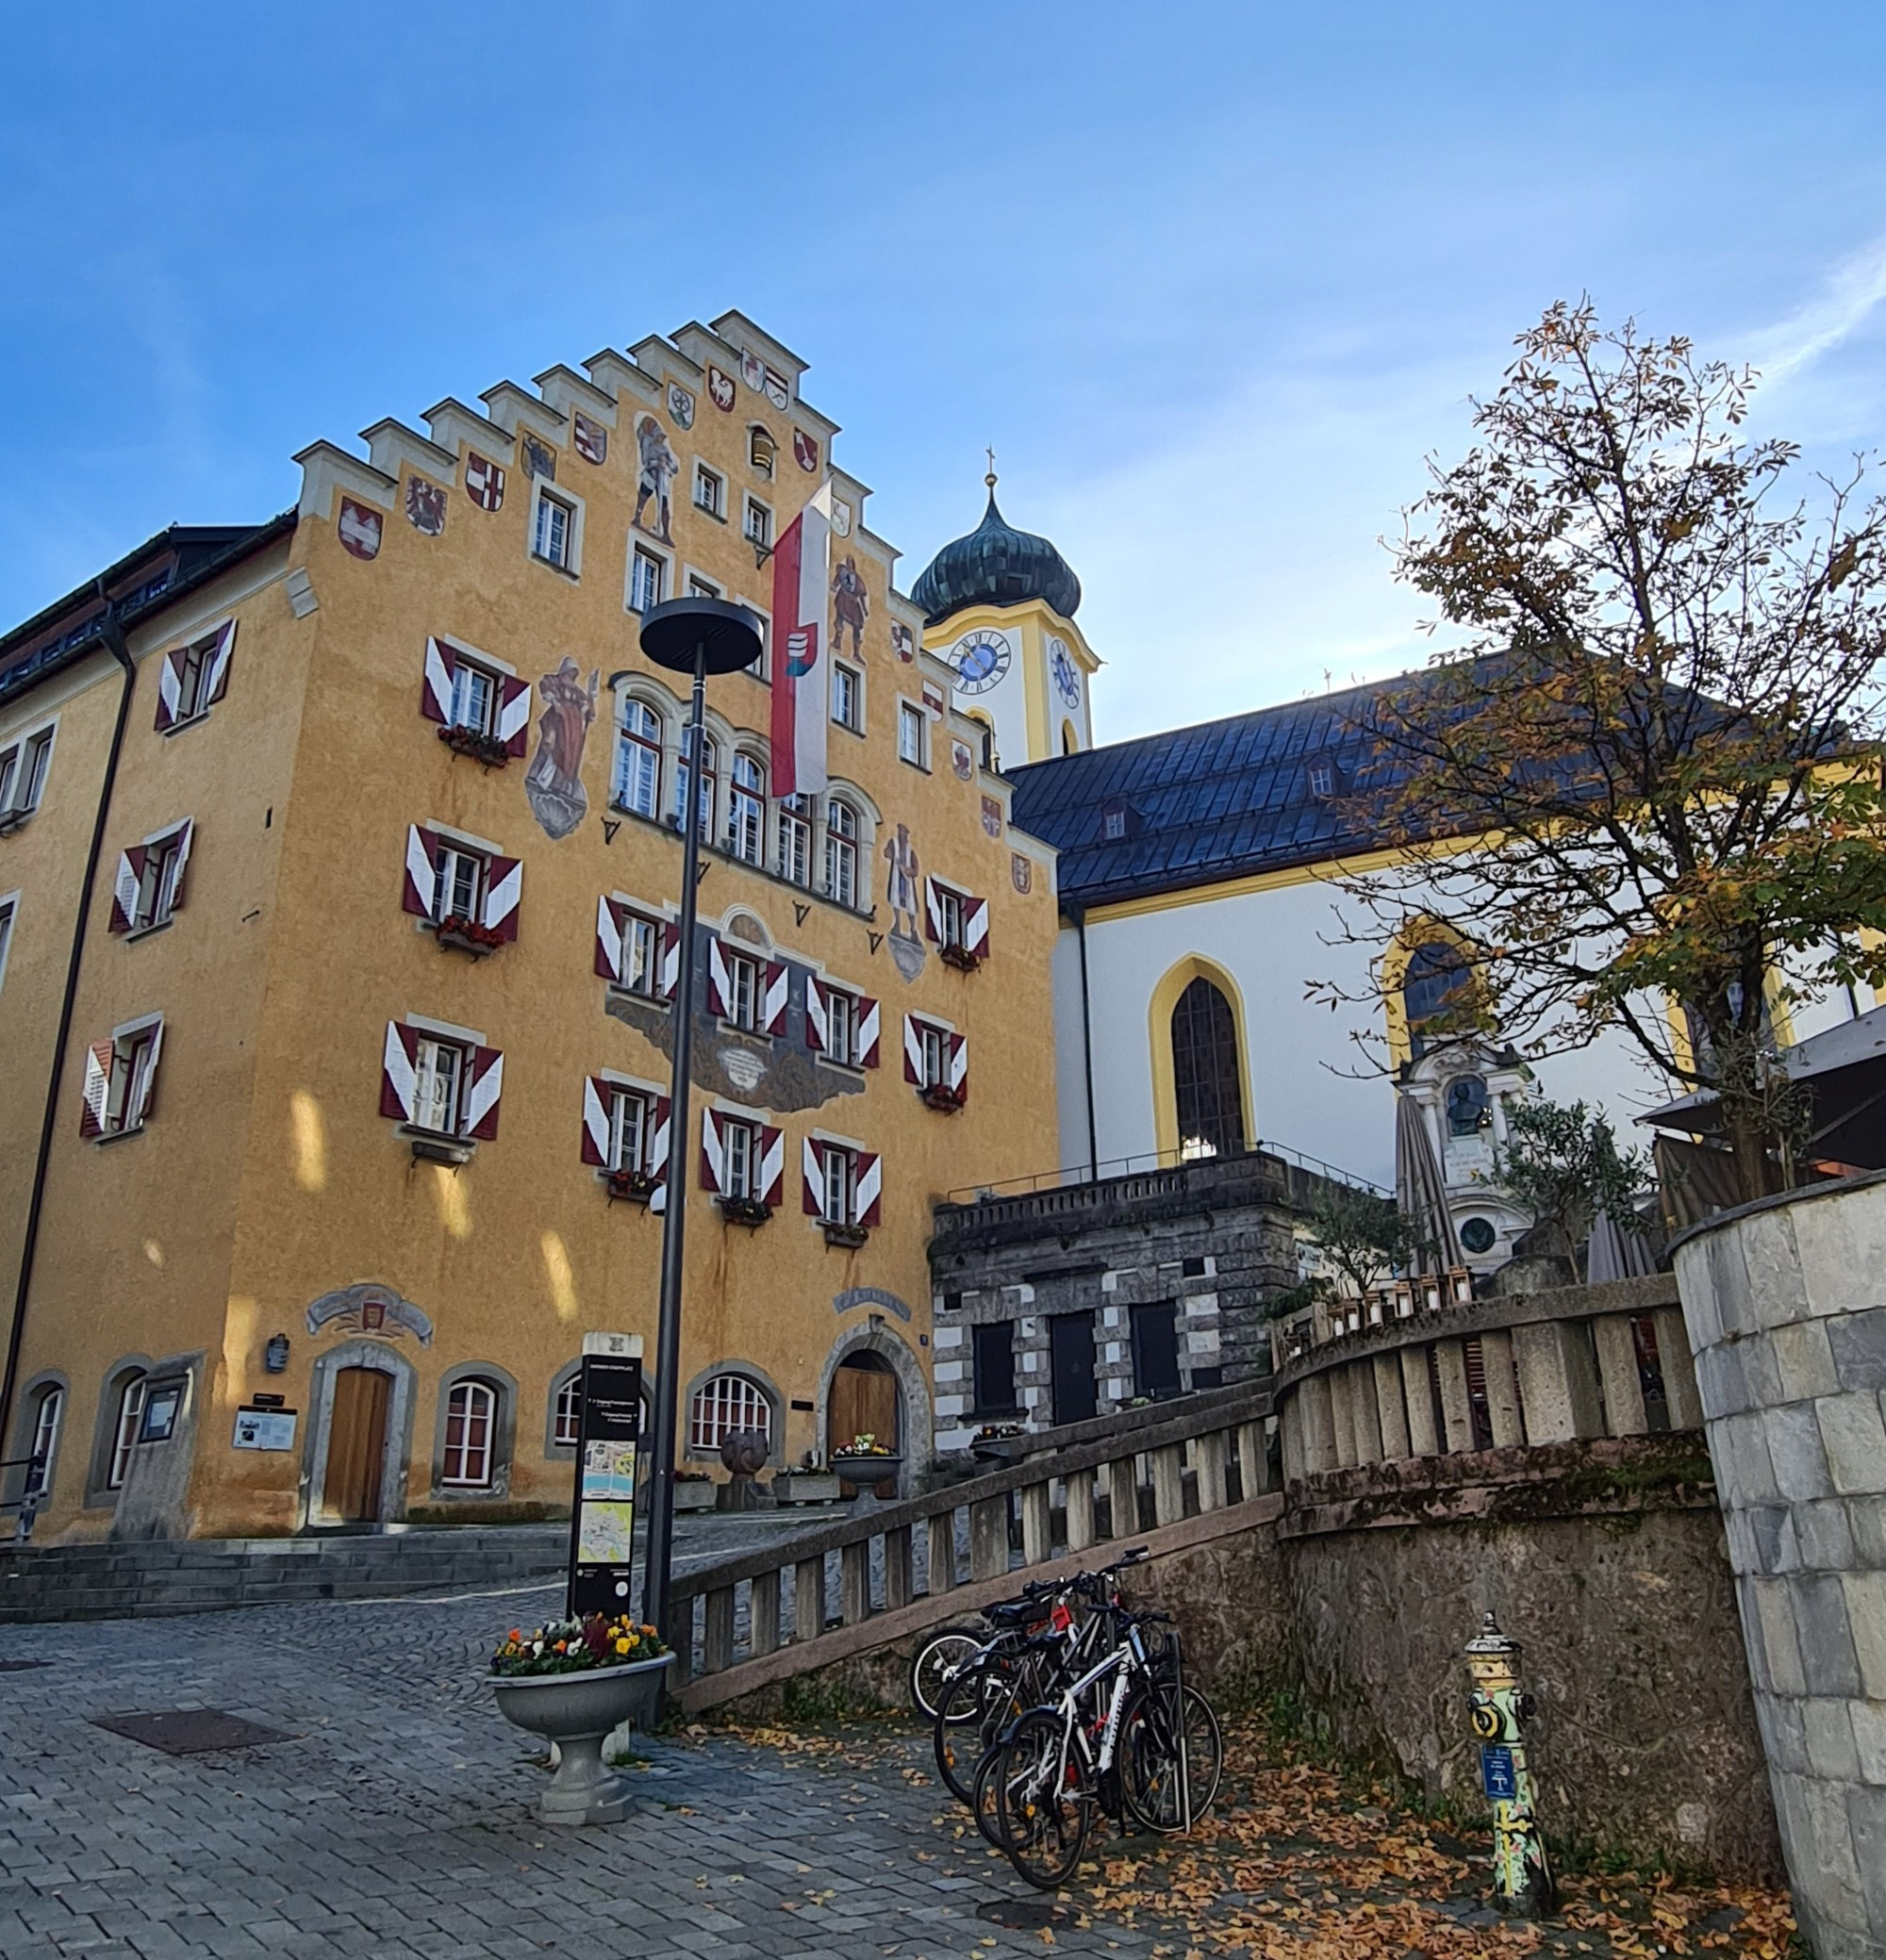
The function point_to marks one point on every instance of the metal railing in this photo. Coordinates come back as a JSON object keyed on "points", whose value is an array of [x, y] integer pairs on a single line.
{"points": [[1084, 1174], [31, 1494]]}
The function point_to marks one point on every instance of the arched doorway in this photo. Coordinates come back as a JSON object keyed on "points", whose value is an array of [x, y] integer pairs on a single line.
{"points": [[865, 1401], [353, 1488]]}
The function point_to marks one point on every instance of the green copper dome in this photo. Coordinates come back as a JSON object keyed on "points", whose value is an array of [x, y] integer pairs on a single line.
{"points": [[996, 565]]}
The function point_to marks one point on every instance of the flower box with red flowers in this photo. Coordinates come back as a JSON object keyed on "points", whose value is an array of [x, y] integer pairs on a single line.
{"points": [[492, 751], [745, 1210], [470, 936], [939, 1095], [959, 956], [848, 1235], [637, 1185]]}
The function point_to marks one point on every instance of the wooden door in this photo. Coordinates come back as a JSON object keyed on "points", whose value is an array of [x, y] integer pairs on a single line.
{"points": [[356, 1446], [1070, 1357], [864, 1402]]}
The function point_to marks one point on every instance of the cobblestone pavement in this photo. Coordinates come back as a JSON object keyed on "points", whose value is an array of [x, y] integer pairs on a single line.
{"points": [[398, 1818]]}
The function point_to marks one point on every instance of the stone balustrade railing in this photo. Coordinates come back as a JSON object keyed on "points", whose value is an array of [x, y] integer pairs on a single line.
{"points": [[1110, 1480], [1430, 1371]]}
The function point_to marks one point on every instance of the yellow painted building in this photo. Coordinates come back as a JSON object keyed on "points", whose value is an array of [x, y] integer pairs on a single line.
{"points": [[365, 1073]]}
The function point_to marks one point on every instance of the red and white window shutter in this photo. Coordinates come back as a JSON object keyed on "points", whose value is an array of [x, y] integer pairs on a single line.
{"points": [[870, 1188], [812, 1167], [713, 1155], [503, 891], [513, 712], [125, 887], [932, 909], [611, 918], [481, 1082], [769, 1180], [913, 1049], [817, 1037], [671, 962], [719, 989], [434, 698], [598, 1093], [657, 1156], [212, 682], [866, 1036], [421, 890], [956, 1065], [98, 1058], [772, 1009], [399, 1072], [478, 1102], [976, 927]]}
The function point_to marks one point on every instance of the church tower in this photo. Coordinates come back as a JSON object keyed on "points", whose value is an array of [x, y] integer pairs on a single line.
{"points": [[998, 605]]}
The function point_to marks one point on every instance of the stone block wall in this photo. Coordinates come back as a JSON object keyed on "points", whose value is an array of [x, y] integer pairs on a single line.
{"points": [[1785, 1302]]}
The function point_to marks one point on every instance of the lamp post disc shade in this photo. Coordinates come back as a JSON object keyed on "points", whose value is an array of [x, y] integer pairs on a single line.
{"points": [[728, 636]]}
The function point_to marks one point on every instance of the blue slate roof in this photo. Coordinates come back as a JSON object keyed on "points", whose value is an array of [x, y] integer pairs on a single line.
{"points": [[1215, 802]]}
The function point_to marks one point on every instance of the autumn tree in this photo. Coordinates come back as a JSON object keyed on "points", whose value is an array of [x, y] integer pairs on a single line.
{"points": [[1661, 733]]}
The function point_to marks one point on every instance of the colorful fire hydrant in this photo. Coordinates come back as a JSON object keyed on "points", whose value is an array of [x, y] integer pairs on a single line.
{"points": [[1498, 1709]]}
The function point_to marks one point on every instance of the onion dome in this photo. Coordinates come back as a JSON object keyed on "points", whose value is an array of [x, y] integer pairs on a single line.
{"points": [[996, 565]]}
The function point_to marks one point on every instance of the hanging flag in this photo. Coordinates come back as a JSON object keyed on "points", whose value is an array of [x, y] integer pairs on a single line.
{"points": [[802, 576]]}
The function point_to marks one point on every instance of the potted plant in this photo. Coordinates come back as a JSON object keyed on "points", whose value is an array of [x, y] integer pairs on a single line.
{"points": [[867, 1462], [958, 956], [745, 1210], [470, 936], [850, 1236], [572, 1682], [489, 750], [939, 1095], [693, 1490], [639, 1187]]}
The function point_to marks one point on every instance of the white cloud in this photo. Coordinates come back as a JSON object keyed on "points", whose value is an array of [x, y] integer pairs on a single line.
{"points": [[1856, 287]]}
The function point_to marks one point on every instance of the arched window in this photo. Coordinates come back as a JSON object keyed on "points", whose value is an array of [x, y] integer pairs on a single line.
{"points": [[638, 759], [47, 1416], [746, 809], [1207, 1079], [470, 1425], [795, 839], [709, 764], [566, 1425], [1436, 990], [1070, 742], [124, 1431], [722, 1407], [841, 852]]}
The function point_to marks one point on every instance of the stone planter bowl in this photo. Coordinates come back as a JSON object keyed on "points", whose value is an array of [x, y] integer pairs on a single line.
{"points": [[577, 1711], [867, 1473]]}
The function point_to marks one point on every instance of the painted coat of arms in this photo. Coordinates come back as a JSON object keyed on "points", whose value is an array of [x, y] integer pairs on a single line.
{"points": [[804, 451], [425, 505], [539, 459], [960, 761], [1022, 870], [359, 529], [554, 782], [484, 481], [720, 390], [591, 439], [992, 817], [680, 405]]}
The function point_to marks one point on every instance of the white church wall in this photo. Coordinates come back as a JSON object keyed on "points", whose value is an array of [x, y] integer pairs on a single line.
{"points": [[1070, 1052]]}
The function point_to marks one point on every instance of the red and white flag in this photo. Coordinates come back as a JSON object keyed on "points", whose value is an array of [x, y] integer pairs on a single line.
{"points": [[802, 587]]}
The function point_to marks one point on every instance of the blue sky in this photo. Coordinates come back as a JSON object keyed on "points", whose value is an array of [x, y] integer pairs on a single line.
{"points": [[1212, 278]]}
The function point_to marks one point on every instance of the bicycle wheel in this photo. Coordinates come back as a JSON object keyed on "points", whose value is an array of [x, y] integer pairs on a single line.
{"points": [[975, 1706], [1149, 1758], [1042, 1802], [984, 1804], [936, 1661]]}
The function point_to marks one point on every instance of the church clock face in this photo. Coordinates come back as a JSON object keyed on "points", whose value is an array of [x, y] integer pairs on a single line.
{"points": [[981, 659], [1066, 675]]}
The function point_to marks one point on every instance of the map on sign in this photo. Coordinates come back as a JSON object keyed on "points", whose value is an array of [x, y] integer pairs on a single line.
{"points": [[608, 1518]]}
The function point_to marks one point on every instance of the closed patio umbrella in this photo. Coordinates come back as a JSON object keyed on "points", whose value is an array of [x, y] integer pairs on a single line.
{"points": [[1420, 1190]]}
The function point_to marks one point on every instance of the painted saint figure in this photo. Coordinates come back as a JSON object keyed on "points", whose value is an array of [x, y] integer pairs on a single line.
{"points": [[901, 894], [659, 467], [554, 782], [850, 603]]}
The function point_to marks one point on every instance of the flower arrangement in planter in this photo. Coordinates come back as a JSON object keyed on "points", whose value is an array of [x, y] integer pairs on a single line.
{"points": [[864, 1444], [959, 957], [848, 1235], [568, 1646], [489, 750], [637, 1186], [576, 1681], [745, 1210], [939, 1095], [470, 936], [998, 1432]]}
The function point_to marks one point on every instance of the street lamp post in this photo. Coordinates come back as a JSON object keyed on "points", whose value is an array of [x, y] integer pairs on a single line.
{"points": [[700, 637]]}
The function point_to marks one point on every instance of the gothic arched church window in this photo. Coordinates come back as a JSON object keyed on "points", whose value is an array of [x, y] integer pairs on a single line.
{"points": [[1207, 1074], [1435, 994]]}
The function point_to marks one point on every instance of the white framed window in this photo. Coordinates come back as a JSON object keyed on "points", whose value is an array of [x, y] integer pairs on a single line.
{"points": [[470, 1425], [724, 1406], [475, 697], [933, 1047], [555, 533], [566, 1429], [46, 1419], [758, 525], [841, 1185], [760, 667], [120, 1075], [912, 726], [458, 890], [950, 906], [1322, 778], [761, 450], [710, 492], [648, 579], [841, 851], [699, 587], [746, 808], [631, 1129], [23, 776], [794, 858], [739, 1157], [124, 1430], [639, 741], [841, 1026], [157, 886], [642, 955], [743, 991], [9, 909], [1113, 825], [438, 1069], [710, 756], [848, 697]]}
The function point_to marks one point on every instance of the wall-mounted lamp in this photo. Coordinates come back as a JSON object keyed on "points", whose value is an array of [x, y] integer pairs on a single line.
{"points": [[275, 1356]]}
